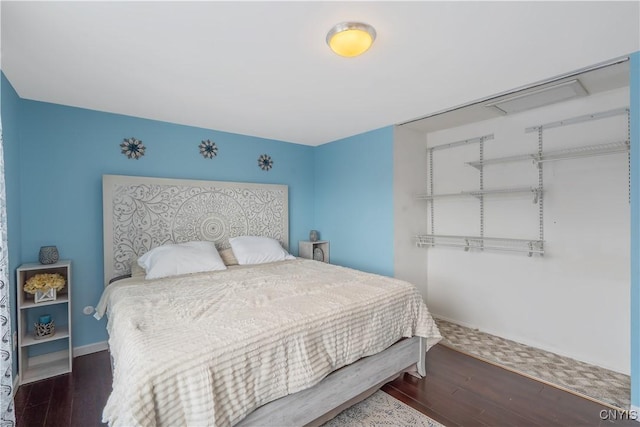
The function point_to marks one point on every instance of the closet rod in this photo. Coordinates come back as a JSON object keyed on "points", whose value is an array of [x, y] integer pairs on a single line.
{"points": [[477, 193], [526, 246], [485, 247], [476, 238]]}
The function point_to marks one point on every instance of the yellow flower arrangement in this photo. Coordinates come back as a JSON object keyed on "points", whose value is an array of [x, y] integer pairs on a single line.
{"points": [[44, 282]]}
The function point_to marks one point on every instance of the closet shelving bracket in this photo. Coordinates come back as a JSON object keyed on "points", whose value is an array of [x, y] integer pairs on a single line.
{"points": [[460, 143], [579, 119]]}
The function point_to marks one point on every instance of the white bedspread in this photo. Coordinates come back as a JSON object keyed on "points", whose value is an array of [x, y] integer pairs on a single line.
{"points": [[207, 349]]}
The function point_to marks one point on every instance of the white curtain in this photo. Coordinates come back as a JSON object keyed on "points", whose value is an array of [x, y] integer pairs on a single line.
{"points": [[7, 414]]}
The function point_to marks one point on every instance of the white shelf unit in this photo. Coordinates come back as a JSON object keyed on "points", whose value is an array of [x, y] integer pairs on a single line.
{"points": [[603, 149], [307, 249], [481, 242], [530, 246], [47, 364], [565, 154]]}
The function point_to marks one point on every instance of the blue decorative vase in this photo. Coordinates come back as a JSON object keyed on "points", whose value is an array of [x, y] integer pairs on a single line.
{"points": [[48, 255], [314, 236]]}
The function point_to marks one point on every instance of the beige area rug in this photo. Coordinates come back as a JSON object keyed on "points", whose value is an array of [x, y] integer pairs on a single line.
{"points": [[590, 381], [380, 410]]}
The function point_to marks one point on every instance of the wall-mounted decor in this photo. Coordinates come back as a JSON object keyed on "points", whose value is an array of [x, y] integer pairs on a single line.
{"points": [[265, 162], [158, 211], [132, 148], [208, 149]]}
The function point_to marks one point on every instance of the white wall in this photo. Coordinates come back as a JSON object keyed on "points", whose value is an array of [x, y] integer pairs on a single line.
{"points": [[409, 178], [574, 300]]}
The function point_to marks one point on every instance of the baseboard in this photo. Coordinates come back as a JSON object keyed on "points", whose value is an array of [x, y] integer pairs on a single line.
{"points": [[90, 348]]}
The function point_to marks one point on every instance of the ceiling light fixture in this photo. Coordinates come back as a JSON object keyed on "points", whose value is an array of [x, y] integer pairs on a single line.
{"points": [[351, 38]]}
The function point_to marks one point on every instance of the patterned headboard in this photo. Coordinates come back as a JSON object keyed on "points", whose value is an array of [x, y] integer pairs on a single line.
{"points": [[141, 213]]}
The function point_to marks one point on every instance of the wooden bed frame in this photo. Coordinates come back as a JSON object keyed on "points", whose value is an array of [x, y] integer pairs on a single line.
{"points": [[141, 213]]}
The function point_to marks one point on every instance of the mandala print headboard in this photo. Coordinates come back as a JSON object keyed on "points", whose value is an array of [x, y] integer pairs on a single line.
{"points": [[142, 213]]}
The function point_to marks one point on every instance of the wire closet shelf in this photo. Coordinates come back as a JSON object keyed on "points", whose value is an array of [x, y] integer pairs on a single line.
{"points": [[529, 246], [481, 243], [565, 154]]}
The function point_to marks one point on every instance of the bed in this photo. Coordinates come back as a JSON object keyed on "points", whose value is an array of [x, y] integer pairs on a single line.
{"points": [[290, 342]]}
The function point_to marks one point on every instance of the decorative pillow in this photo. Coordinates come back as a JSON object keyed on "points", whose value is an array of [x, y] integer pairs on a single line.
{"points": [[136, 270], [228, 257], [181, 258], [257, 250]]}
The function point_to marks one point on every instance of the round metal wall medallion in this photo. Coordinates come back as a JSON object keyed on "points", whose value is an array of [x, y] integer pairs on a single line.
{"points": [[132, 148], [265, 162], [208, 149]]}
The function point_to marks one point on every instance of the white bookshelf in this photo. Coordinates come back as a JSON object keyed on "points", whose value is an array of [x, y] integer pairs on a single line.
{"points": [[47, 363]]}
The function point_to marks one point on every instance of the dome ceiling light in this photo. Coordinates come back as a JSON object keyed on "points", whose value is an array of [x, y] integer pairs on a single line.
{"points": [[351, 39]]}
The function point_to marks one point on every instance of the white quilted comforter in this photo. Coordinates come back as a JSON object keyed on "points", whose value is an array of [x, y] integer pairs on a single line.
{"points": [[207, 349]]}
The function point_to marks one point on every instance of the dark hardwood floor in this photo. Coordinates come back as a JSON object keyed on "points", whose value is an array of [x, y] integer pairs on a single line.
{"points": [[74, 399], [458, 390]]}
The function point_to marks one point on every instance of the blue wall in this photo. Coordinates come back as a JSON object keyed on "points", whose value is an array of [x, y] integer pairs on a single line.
{"points": [[65, 151], [635, 228], [354, 200], [10, 136]]}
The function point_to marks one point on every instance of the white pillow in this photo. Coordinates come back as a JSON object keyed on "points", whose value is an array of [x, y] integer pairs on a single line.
{"points": [[181, 258], [257, 250]]}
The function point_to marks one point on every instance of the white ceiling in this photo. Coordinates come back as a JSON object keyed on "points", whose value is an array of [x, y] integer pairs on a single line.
{"points": [[263, 68]]}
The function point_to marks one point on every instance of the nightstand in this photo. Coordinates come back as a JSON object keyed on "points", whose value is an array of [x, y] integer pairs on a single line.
{"points": [[318, 251]]}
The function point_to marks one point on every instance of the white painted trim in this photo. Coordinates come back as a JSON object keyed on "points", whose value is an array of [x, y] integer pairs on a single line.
{"points": [[635, 410], [16, 384], [90, 348]]}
